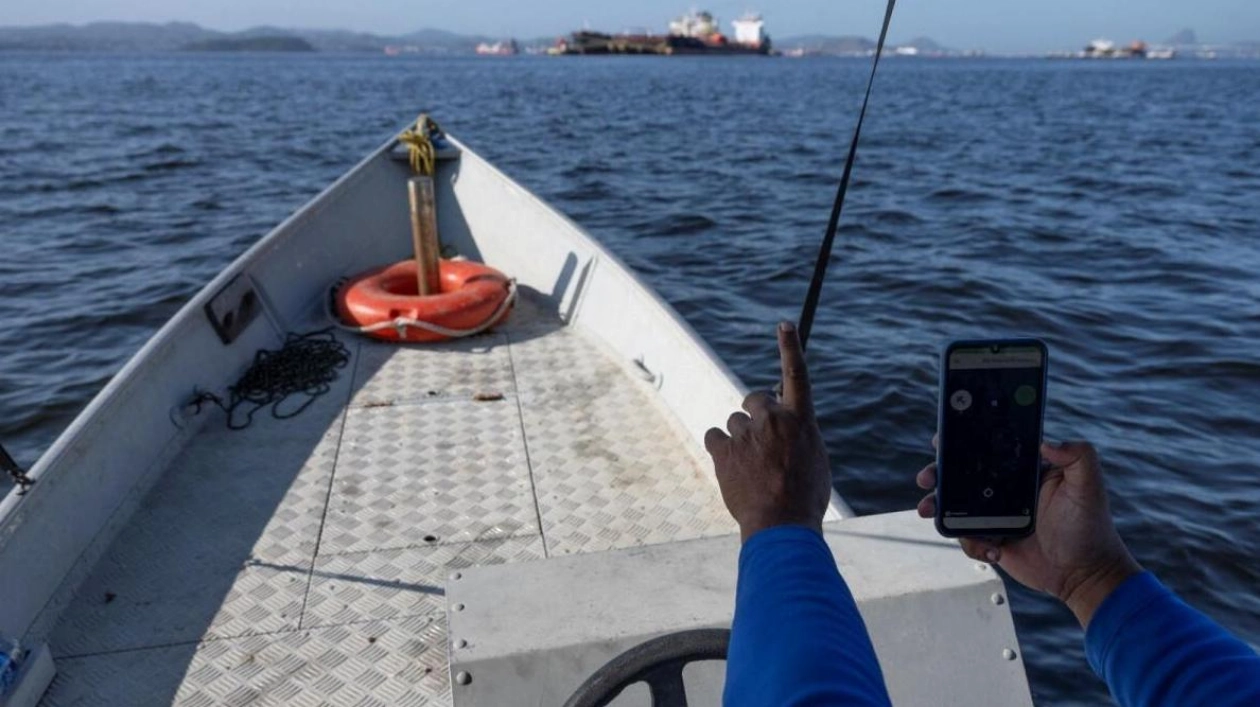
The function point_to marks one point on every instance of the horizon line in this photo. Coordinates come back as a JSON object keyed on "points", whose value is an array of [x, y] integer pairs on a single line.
{"points": [[562, 33]]}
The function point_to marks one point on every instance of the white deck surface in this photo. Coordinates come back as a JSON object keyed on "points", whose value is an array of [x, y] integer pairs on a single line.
{"points": [[303, 561]]}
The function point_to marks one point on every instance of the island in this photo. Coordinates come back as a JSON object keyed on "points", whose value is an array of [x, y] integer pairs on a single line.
{"points": [[251, 44]]}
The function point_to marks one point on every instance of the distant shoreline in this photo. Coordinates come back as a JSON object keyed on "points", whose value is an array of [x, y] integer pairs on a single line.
{"points": [[317, 54], [177, 36], [251, 44]]}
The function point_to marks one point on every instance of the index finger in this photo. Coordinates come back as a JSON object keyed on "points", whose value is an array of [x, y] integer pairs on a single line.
{"points": [[796, 392]]}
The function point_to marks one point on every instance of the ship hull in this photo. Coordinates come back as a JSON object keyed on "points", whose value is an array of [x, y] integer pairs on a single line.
{"points": [[596, 43]]}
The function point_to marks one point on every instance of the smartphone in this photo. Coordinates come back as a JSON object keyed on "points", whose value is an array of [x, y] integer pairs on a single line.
{"points": [[988, 458]]}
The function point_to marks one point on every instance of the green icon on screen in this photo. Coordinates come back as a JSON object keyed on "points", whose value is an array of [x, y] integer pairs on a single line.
{"points": [[1025, 395]]}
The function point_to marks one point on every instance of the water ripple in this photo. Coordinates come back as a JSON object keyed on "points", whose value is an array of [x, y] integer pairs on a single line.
{"points": [[1106, 208]]}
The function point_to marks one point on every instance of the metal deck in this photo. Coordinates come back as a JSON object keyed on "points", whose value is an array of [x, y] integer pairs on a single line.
{"points": [[303, 561]]}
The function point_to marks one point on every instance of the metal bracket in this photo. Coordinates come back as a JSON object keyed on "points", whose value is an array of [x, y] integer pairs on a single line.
{"points": [[656, 380], [15, 472], [233, 308], [443, 153]]}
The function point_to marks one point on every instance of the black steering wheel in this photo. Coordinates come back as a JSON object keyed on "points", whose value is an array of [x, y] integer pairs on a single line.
{"points": [[659, 663]]}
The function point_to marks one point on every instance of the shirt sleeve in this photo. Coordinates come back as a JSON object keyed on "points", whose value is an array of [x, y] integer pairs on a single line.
{"points": [[1153, 649], [797, 638]]}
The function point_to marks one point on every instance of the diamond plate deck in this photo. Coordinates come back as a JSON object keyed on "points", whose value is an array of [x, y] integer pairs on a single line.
{"points": [[610, 468], [304, 561], [414, 475], [412, 373], [391, 584], [379, 664], [182, 569]]}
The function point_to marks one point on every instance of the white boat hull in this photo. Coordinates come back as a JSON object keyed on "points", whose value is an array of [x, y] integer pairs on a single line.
{"points": [[152, 530]]}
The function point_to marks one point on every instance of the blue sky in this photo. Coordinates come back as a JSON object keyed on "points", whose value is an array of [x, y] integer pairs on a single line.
{"points": [[1000, 25]]}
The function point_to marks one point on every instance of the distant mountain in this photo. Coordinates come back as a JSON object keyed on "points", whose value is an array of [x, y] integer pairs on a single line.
{"points": [[261, 43], [438, 40], [340, 40], [439, 37], [927, 45], [1185, 37], [175, 36], [126, 36], [1246, 50], [105, 36], [1188, 44]]}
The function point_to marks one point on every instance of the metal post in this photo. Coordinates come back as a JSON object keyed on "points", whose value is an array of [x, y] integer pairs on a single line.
{"points": [[424, 234]]}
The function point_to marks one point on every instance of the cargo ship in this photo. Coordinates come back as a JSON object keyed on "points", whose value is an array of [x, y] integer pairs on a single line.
{"points": [[1107, 49], [693, 33]]}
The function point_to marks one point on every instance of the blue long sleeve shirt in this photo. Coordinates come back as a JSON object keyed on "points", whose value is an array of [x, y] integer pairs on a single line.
{"points": [[797, 638], [1153, 649]]}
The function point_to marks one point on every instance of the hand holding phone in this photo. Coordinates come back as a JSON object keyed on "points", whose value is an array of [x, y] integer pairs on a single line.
{"points": [[992, 400], [1075, 554], [985, 476]]}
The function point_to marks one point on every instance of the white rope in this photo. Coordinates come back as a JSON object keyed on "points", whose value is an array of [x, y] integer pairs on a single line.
{"points": [[403, 323]]}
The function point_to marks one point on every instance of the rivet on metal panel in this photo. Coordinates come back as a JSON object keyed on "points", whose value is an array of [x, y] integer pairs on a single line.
{"points": [[462, 677], [456, 575], [461, 643], [459, 607], [998, 599], [1008, 654]]}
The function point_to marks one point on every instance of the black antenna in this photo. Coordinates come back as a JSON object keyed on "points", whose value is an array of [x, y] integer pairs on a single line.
{"points": [[824, 251]]}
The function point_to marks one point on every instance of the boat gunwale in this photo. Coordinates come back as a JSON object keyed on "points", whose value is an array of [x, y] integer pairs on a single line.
{"points": [[164, 338], [16, 507]]}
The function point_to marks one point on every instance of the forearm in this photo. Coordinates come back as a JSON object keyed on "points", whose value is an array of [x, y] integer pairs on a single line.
{"points": [[797, 637], [1153, 649]]}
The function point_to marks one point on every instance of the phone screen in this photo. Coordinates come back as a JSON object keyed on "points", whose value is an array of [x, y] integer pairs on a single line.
{"points": [[991, 414]]}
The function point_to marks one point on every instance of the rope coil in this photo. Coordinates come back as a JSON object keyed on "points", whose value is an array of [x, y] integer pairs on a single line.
{"points": [[420, 140], [307, 364]]}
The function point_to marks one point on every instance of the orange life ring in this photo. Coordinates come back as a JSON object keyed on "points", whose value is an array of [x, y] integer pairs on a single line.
{"points": [[381, 302]]}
